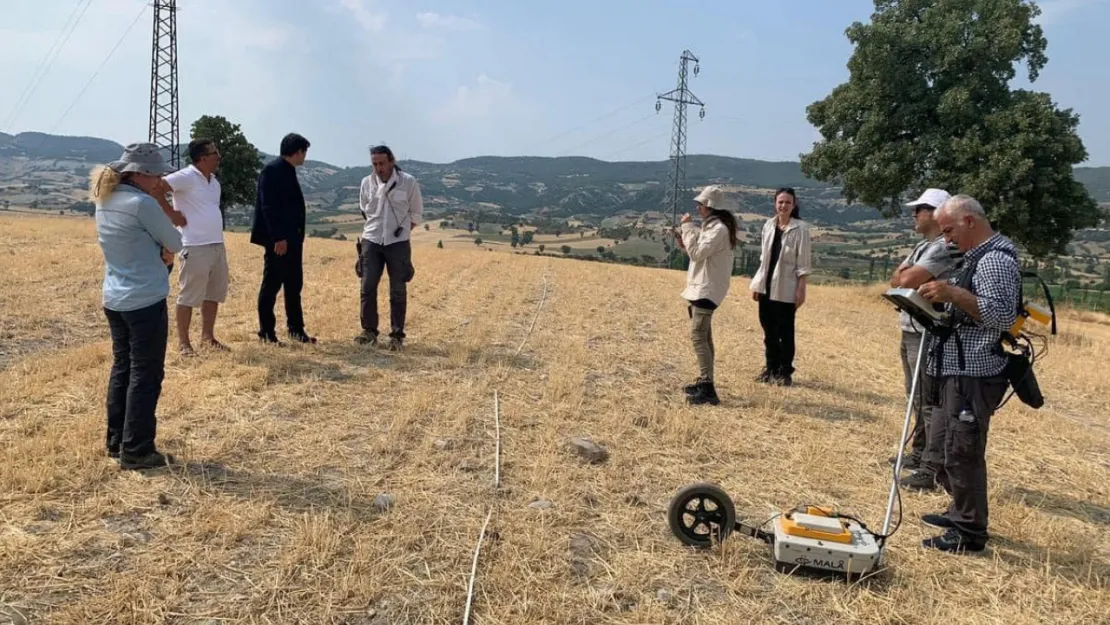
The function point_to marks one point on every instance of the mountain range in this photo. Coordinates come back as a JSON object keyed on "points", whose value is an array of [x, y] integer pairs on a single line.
{"points": [[51, 171]]}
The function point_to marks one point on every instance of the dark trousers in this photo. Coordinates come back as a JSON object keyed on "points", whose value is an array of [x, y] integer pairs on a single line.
{"points": [[965, 447], [777, 319], [396, 260], [135, 383], [278, 272]]}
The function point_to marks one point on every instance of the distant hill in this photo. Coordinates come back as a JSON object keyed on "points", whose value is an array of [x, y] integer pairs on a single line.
{"points": [[51, 170]]}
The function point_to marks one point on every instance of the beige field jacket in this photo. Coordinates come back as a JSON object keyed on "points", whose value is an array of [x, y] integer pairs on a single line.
{"points": [[795, 260]]}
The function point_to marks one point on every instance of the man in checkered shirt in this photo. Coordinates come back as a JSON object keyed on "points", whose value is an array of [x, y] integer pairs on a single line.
{"points": [[969, 365]]}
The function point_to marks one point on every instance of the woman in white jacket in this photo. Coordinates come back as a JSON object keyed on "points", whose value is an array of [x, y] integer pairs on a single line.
{"points": [[710, 249], [779, 285]]}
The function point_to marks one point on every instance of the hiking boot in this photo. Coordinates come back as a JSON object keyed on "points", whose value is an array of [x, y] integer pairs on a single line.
{"points": [[301, 336], [113, 451], [367, 338], [152, 460], [395, 344], [938, 520], [911, 462], [690, 389], [920, 480], [704, 393], [764, 376], [954, 541]]}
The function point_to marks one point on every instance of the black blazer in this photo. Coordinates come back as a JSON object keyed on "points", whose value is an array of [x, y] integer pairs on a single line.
{"points": [[279, 208]]}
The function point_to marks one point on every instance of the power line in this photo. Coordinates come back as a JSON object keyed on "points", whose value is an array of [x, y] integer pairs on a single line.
{"points": [[97, 72], [633, 147], [606, 134], [592, 121], [47, 62]]}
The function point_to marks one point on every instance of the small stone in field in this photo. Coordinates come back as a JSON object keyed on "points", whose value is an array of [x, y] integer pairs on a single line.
{"points": [[541, 504], [589, 450], [383, 502], [663, 595]]}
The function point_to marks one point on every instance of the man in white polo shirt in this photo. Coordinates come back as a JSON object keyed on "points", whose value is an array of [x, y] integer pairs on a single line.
{"points": [[203, 277]]}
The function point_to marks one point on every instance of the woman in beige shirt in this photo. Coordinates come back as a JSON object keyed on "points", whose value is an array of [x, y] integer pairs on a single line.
{"points": [[710, 249], [780, 285]]}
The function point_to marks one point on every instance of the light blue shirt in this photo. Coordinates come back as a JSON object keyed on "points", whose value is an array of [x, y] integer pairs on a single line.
{"points": [[132, 230]]}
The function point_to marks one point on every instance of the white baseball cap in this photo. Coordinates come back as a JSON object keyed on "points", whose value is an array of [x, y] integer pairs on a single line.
{"points": [[931, 197]]}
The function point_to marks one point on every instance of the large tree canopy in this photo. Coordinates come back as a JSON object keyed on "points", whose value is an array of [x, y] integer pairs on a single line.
{"points": [[928, 104], [240, 161]]}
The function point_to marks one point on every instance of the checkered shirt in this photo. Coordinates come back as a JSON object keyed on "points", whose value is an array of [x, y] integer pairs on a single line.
{"points": [[997, 286]]}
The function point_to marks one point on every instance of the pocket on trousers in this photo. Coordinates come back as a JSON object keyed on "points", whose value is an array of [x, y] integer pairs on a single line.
{"points": [[966, 446]]}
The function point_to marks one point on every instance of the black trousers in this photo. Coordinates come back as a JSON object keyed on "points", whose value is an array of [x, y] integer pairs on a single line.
{"points": [[278, 272], [135, 383], [396, 260], [965, 447], [777, 319]]}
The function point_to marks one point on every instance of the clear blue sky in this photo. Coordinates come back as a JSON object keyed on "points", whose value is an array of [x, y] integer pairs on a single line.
{"points": [[441, 80]]}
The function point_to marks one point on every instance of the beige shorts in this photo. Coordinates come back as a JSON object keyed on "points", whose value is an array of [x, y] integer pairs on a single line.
{"points": [[203, 276]]}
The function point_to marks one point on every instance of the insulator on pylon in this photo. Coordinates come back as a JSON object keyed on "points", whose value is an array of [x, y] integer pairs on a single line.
{"points": [[701, 114], [697, 68], [658, 105]]}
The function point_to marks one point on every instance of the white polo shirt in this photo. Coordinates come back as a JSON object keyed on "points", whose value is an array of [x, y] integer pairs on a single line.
{"points": [[198, 198]]}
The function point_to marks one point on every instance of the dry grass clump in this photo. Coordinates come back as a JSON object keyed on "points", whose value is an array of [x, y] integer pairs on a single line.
{"points": [[273, 518]]}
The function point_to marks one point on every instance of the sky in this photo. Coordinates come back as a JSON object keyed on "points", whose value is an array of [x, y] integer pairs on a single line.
{"points": [[440, 80]]}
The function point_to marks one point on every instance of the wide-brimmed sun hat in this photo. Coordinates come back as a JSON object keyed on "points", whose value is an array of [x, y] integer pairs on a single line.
{"points": [[141, 158]]}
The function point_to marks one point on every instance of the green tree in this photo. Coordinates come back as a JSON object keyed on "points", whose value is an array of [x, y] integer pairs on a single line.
{"points": [[526, 238], [566, 249], [542, 246], [439, 244], [928, 104], [240, 161]]}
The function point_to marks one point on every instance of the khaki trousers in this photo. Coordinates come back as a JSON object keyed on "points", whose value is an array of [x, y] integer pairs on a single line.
{"points": [[701, 333]]}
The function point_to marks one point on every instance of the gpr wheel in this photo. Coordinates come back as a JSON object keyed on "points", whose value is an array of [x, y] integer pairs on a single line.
{"points": [[701, 514]]}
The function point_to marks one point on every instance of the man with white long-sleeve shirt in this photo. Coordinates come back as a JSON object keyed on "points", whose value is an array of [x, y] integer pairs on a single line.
{"points": [[390, 202]]}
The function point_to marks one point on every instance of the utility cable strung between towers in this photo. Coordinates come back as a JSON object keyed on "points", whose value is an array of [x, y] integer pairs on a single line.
{"points": [[681, 96]]}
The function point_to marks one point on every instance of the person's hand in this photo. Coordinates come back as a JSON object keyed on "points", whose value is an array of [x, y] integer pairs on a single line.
{"points": [[167, 257], [280, 247], [685, 218], [755, 296], [936, 291], [178, 219], [799, 297], [412, 225]]}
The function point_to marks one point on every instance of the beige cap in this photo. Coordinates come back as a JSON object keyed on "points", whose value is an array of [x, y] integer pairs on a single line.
{"points": [[710, 196]]}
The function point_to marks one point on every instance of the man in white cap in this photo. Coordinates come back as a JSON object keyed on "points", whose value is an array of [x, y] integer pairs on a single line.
{"points": [[931, 259]]}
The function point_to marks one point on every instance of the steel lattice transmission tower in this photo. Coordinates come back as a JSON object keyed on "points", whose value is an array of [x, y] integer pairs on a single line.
{"points": [[164, 127], [682, 96]]}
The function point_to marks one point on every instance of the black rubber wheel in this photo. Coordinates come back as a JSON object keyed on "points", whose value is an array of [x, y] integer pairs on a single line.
{"points": [[701, 514]]}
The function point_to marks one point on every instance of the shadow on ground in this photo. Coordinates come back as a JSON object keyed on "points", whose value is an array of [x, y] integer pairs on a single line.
{"points": [[1061, 505], [291, 492]]}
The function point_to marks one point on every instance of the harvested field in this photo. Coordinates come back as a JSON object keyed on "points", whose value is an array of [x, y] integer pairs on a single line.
{"points": [[334, 483]]}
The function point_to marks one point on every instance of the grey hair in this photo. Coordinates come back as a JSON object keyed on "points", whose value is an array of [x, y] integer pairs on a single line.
{"points": [[963, 204]]}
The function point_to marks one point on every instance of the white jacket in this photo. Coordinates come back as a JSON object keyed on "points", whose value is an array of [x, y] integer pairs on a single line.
{"points": [[711, 256]]}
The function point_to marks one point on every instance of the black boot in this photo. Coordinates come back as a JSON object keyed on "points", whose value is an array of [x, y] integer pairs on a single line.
{"points": [[690, 389], [705, 393]]}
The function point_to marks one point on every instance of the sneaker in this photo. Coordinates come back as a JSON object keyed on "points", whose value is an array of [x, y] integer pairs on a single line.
{"points": [[705, 393], [113, 451], [395, 344], [301, 336], [152, 460], [764, 376], [954, 541], [938, 520], [367, 338], [920, 480]]}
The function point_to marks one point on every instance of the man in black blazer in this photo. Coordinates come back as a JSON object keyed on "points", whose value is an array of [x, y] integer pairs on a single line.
{"points": [[279, 225]]}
